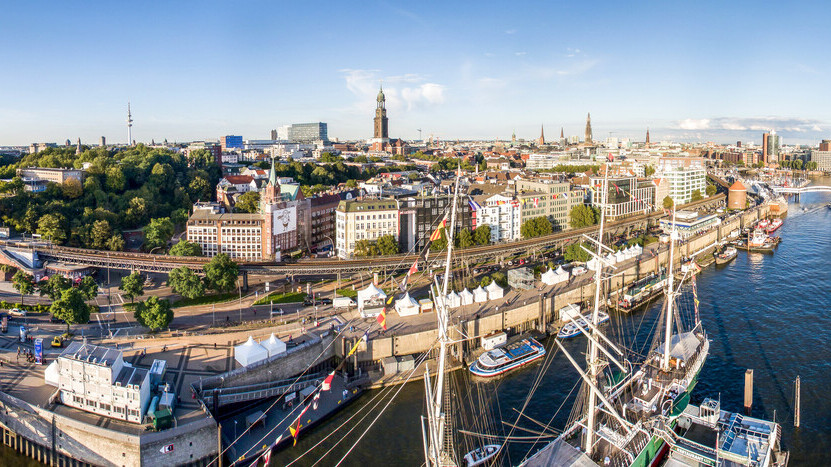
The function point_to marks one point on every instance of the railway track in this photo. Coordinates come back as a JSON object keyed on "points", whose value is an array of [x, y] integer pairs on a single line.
{"points": [[163, 263]]}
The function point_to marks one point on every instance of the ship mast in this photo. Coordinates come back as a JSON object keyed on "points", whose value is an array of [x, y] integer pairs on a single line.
{"points": [[670, 298], [440, 453], [592, 358]]}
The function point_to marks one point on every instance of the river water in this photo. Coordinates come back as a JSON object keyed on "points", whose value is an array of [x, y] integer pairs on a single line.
{"points": [[768, 312]]}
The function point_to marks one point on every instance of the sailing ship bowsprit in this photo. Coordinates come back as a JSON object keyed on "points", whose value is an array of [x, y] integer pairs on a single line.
{"points": [[638, 413]]}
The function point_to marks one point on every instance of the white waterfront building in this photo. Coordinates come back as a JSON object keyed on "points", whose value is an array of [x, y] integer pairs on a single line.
{"points": [[98, 380]]}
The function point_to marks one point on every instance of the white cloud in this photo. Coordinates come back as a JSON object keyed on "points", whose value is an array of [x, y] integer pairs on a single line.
{"points": [[510, 31], [519, 54], [694, 124], [409, 90], [781, 124]]}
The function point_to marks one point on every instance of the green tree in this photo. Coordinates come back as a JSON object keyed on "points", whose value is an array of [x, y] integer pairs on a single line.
{"points": [[797, 164], [51, 227], [465, 239], [482, 235], [649, 170], [366, 248], [696, 196], [23, 283], [72, 188], [535, 227], [54, 286], [352, 183], [500, 278], [100, 234], [710, 190], [575, 253], [154, 313], [221, 273], [132, 285], [440, 243], [185, 282], [70, 308], [387, 245], [486, 281], [583, 216], [88, 288], [668, 202], [158, 233], [185, 248], [115, 243], [248, 202]]}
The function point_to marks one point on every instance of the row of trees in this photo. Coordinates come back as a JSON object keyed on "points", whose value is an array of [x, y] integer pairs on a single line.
{"points": [[464, 239], [220, 275], [68, 300], [385, 245], [798, 164], [121, 190]]}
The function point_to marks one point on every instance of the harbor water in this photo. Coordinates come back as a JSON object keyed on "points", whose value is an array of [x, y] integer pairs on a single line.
{"points": [[767, 312]]}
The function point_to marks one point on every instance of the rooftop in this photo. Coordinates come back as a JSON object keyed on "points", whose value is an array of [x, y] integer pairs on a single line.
{"points": [[89, 353]]}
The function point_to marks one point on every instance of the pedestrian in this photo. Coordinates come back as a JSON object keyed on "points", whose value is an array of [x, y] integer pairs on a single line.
{"points": [[214, 344]]}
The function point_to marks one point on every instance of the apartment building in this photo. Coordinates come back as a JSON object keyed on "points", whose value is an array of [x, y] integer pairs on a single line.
{"points": [[420, 215], [239, 235], [364, 220], [685, 175], [501, 212]]}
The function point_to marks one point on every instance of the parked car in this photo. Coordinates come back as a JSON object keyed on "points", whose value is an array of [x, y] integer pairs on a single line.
{"points": [[17, 312]]}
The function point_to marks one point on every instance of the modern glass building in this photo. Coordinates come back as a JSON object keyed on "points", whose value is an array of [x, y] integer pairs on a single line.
{"points": [[304, 132], [231, 141]]}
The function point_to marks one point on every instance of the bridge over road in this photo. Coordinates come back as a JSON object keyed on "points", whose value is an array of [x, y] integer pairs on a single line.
{"points": [[162, 263]]}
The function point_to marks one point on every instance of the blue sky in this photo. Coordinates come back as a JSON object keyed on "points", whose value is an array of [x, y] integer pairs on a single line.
{"points": [[719, 71]]}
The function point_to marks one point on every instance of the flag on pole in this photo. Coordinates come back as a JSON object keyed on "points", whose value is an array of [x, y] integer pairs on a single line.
{"points": [[382, 319], [611, 157], [437, 234]]}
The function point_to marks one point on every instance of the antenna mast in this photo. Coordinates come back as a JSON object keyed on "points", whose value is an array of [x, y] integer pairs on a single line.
{"points": [[670, 292], [129, 126]]}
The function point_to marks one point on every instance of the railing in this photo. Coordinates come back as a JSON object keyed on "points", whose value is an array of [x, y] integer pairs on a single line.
{"points": [[231, 395]]}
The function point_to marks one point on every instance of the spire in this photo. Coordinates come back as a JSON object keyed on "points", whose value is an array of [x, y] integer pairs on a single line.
{"points": [[589, 128], [542, 135], [562, 135], [272, 174], [647, 136]]}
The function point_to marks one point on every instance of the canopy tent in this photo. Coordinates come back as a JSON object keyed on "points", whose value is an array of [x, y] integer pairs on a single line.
{"points": [[494, 291], [637, 249], [610, 258], [370, 301], [593, 264], [480, 295], [249, 352], [681, 346], [273, 345], [466, 296], [406, 306], [620, 257], [453, 300], [549, 277], [561, 271]]}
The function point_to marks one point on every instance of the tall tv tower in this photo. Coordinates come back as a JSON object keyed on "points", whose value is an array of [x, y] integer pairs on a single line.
{"points": [[129, 126]]}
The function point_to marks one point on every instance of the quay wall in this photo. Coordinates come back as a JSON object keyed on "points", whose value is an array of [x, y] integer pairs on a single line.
{"points": [[538, 312], [56, 439]]}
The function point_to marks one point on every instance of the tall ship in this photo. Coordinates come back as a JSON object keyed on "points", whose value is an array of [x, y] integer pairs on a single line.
{"points": [[635, 410]]}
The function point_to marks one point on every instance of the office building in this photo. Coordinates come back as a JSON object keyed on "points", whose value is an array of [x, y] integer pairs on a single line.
{"points": [[98, 380], [35, 179], [685, 175], [213, 148], [548, 198], [419, 216], [364, 220], [303, 132], [230, 142], [239, 235], [823, 160], [770, 148], [625, 196]]}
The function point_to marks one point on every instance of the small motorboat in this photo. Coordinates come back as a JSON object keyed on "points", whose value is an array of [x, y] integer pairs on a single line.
{"points": [[774, 224], [481, 455], [726, 255], [570, 329]]}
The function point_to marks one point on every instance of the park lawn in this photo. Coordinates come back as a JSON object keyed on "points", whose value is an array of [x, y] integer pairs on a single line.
{"points": [[348, 293], [205, 300], [280, 297]]}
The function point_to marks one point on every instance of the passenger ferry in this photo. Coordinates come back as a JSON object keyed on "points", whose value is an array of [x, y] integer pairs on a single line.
{"points": [[571, 330], [497, 361]]}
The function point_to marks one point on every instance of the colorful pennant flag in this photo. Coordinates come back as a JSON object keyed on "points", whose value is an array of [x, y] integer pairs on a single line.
{"points": [[327, 383], [382, 318]]}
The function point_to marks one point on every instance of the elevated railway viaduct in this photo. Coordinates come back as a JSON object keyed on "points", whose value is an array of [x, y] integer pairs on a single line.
{"points": [[162, 264]]}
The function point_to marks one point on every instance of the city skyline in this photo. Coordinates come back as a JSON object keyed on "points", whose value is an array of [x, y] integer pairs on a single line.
{"points": [[199, 73]]}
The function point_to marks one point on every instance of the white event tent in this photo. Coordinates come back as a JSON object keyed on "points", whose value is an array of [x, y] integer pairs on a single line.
{"points": [[466, 296], [407, 306], [371, 297], [273, 345], [480, 295], [494, 291], [249, 352]]}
